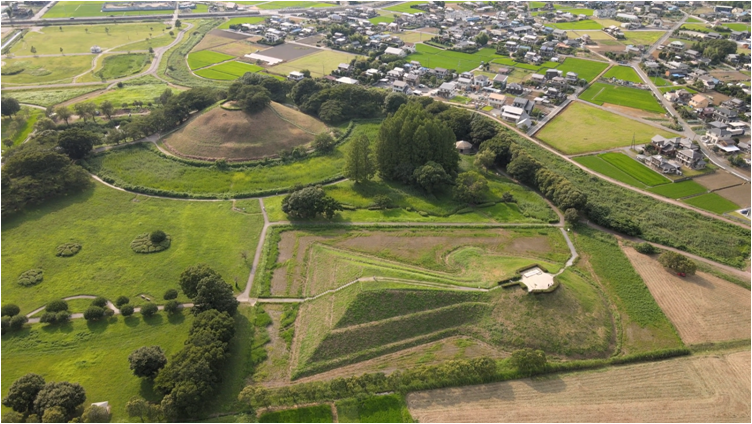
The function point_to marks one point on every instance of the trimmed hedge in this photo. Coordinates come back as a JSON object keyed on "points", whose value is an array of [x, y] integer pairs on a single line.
{"points": [[67, 249], [143, 244], [31, 277]]}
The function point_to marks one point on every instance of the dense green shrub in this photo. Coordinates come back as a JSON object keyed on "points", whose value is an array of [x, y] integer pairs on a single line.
{"points": [[67, 249], [645, 248], [170, 294], [31, 277], [144, 244], [127, 310], [9, 310], [17, 322], [157, 237], [99, 301], [56, 306], [149, 309], [94, 313], [171, 307], [121, 300]]}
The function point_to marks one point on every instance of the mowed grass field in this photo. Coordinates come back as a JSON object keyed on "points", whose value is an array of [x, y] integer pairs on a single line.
{"points": [[374, 409], [433, 57], [320, 64], [600, 93], [237, 21], [286, 4], [623, 168], [406, 7], [80, 38], [586, 24], [679, 190], [40, 70], [624, 73], [105, 221], [51, 97], [308, 414], [79, 9], [145, 89], [712, 202], [580, 129], [206, 58], [586, 69], [228, 71], [645, 38], [94, 355]]}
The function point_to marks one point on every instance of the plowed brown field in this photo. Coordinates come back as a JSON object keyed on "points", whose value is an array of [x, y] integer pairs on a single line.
{"points": [[703, 308], [693, 389]]}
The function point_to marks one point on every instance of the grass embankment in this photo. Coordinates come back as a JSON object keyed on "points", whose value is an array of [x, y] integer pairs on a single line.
{"points": [[80, 9], [173, 66], [644, 327], [93, 354], [579, 129], [144, 89], [600, 93], [122, 65], [51, 97], [19, 126], [307, 414], [208, 232]]}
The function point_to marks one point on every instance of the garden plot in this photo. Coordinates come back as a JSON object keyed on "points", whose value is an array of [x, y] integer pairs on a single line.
{"points": [[694, 389], [719, 180], [702, 307]]}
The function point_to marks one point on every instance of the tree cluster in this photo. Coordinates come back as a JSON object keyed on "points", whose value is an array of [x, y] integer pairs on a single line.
{"points": [[34, 400], [715, 50], [208, 290], [11, 318], [677, 262], [307, 202], [338, 103]]}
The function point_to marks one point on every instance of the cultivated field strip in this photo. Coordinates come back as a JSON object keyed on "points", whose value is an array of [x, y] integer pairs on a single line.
{"points": [[695, 389], [703, 308]]}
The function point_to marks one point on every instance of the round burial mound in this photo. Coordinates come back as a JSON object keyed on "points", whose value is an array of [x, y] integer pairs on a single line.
{"points": [[236, 135]]}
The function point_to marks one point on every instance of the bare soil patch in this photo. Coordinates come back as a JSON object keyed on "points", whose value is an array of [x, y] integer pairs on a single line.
{"points": [[311, 41], [236, 135], [211, 41], [718, 179], [739, 195], [702, 307], [239, 48], [289, 52], [726, 76], [691, 389]]}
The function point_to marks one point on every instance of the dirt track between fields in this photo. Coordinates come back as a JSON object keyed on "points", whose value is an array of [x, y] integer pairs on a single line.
{"points": [[690, 389]]}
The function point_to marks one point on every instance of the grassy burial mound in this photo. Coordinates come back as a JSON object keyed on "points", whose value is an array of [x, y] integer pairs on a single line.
{"points": [[122, 65], [371, 319], [308, 263], [237, 135]]}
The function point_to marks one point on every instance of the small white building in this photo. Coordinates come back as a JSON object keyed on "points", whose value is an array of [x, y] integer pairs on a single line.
{"points": [[346, 80], [295, 76], [96, 49], [463, 147], [395, 51]]}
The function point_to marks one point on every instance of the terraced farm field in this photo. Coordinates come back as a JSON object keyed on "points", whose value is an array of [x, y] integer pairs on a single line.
{"points": [[702, 307], [694, 389]]}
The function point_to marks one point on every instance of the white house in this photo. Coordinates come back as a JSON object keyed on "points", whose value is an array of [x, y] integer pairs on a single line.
{"points": [[400, 87], [447, 89], [395, 51]]}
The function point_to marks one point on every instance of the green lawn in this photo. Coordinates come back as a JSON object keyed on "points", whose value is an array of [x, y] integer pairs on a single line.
{"points": [[624, 73], [712, 202], [130, 93], [309, 414], [600, 93], [66, 9], [80, 38], [94, 355], [582, 128], [433, 57], [122, 65], [586, 24], [406, 7], [205, 58], [679, 190], [374, 409], [238, 21], [658, 81], [105, 221], [20, 125], [586, 69], [692, 20], [40, 70], [737, 27], [51, 97], [377, 20], [286, 4], [676, 88], [228, 71], [634, 168], [537, 68], [645, 38], [320, 63]]}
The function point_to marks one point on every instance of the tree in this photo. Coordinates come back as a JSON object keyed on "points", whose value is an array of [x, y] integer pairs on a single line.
{"points": [[62, 317], [470, 187], [529, 361], [482, 39], [254, 98], [94, 313], [485, 159], [409, 139], [77, 143], [431, 177], [359, 165], [17, 322], [81, 110], [178, 24], [22, 393], [45, 124], [324, 142], [9, 106], [255, 396], [61, 50], [645, 248], [121, 300], [64, 113], [171, 307], [147, 361], [190, 278], [308, 202], [170, 294], [127, 310], [523, 167], [68, 396], [149, 309], [157, 236], [12, 417], [214, 293], [571, 216], [137, 407], [482, 129], [55, 414], [107, 108], [99, 301], [303, 90], [393, 101], [96, 414], [9, 310], [677, 262], [331, 111]]}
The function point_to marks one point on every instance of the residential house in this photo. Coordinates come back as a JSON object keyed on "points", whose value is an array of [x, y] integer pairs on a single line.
{"points": [[497, 100], [559, 34], [447, 89], [500, 81], [273, 37], [692, 54], [524, 104], [692, 159], [395, 74], [709, 81], [662, 165], [558, 82], [664, 146], [676, 46], [538, 78], [400, 87], [515, 88], [572, 77], [346, 80], [441, 72], [513, 114], [343, 68], [481, 80], [464, 83], [671, 96], [724, 115], [699, 101], [412, 79]]}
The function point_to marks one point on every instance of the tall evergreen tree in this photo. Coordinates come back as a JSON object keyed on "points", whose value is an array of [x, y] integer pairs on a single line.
{"points": [[360, 166]]}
